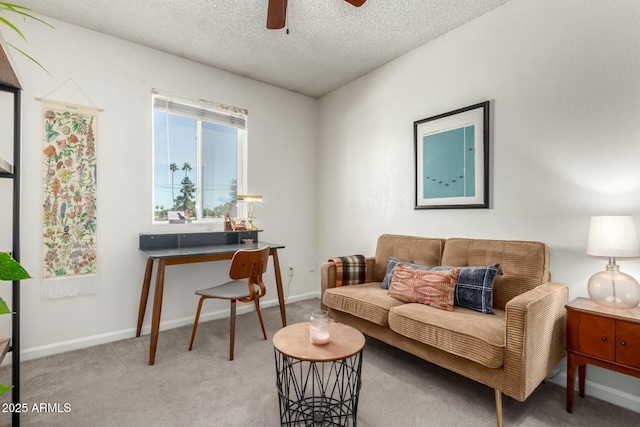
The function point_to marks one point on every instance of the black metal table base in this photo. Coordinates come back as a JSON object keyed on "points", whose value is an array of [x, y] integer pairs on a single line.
{"points": [[318, 394]]}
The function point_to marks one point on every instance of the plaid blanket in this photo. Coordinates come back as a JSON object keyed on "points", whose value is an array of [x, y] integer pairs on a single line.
{"points": [[350, 270]]}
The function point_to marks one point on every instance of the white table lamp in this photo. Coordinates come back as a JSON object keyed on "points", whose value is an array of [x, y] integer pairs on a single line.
{"points": [[613, 237]]}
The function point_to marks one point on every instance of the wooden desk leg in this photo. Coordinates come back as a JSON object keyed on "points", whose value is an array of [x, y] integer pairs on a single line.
{"points": [[144, 296], [571, 380], [582, 373], [157, 309], [276, 267]]}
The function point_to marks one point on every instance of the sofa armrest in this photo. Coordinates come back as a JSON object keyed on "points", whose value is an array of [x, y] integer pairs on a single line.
{"points": [[535, 337], [328, 276]]}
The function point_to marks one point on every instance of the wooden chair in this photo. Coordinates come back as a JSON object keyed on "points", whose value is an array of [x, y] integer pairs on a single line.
{"points": [[247, 267]]}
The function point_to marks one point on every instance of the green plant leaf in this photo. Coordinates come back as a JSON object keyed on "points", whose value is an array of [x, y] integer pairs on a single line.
{"points": [[21, 11], [10, 269], [5, 388], [13, 27], [30, 57], [12, 6], [4, 309]]}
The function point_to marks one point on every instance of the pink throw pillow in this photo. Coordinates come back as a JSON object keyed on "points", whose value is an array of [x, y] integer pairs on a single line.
{"points": [[431, 287]]}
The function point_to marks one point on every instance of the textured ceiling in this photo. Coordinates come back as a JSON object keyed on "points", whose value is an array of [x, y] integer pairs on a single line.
{"points": [[326, 43]]}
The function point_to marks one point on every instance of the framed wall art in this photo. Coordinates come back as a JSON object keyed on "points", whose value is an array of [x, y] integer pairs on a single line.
{"points": [[452, 159]]}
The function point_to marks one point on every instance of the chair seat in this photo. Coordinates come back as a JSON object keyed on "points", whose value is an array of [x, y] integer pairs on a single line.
{"points": [[235, 289]]}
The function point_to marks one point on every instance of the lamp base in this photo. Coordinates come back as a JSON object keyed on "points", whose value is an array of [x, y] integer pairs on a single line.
{"points": [[614, 289]]}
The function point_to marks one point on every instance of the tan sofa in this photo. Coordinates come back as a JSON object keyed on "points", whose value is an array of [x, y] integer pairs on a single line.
{"points": [[511, 351]]}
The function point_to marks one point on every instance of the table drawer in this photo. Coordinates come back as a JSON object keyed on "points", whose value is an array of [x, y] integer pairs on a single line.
{"points": [[628, 343], [596, 336]]}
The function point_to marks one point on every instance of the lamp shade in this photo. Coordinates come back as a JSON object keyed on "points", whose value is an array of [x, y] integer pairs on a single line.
{"points": [[613, 237], [249, 197]]}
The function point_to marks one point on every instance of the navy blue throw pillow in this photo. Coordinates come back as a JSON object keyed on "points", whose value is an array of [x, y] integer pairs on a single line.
{"points": [[474, 289]]}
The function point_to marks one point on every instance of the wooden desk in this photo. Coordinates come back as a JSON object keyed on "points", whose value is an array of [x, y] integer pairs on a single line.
{"points": [[188, 255], [602, 337]]}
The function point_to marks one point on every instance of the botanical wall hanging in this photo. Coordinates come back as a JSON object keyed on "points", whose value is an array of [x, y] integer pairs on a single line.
{"points": [[69, 184]]}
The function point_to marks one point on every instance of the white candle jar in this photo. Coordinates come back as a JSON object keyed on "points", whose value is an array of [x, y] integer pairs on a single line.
{"points": [[319, 328]]}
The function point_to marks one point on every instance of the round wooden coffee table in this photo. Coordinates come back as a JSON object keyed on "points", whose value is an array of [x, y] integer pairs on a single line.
{"points": [[318, 385]]}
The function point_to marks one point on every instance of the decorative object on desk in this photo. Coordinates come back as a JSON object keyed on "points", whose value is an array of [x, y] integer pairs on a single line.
{"points": [[10, 270], [613, 237], [319, 328], [69, 186], [176, 217], [228, 226], [247, 241], [239, 224], [250, 199]]}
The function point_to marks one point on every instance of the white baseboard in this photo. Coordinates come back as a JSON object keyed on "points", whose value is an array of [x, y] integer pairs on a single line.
{"points": [[84, 342], [602, 392]]}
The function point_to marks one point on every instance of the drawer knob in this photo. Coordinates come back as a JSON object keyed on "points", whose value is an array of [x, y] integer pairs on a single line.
{"points": [[623, 343], [604, 339]]}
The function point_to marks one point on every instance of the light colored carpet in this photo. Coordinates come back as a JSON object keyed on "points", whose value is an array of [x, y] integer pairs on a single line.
{"points": [[112, 385]]}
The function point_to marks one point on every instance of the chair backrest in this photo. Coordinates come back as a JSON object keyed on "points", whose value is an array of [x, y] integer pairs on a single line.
{"points": [[249, 264]]}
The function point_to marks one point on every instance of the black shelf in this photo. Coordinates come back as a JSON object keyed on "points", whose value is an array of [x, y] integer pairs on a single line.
{"points": [[11, 170], [150, 241]]}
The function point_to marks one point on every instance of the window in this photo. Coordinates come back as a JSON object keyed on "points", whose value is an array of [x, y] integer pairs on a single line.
{"points": [[198, 158]]}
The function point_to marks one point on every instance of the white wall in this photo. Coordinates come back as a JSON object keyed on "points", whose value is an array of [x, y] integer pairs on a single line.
{"points": [[563, 81], [118, 76]]}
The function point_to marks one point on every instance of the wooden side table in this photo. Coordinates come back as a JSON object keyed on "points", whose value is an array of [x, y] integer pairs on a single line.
{"points": [[318, 385], [602, 337]]}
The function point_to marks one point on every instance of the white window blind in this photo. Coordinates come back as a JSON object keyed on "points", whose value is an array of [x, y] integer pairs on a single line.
{"points": [[201, 110]]}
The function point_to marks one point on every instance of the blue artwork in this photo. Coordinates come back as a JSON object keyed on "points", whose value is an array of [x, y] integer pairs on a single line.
{"points": [[449, 164]]}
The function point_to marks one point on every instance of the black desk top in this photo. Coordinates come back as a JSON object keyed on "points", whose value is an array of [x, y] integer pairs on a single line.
{"points": [[206, 250]]}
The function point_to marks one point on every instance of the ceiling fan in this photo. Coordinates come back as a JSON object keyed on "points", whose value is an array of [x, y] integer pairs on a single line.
{"points": [[277, 12]]}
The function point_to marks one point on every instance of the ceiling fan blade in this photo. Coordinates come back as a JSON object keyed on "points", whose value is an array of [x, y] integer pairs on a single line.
{"points": [[356, 3], [276, 14]]}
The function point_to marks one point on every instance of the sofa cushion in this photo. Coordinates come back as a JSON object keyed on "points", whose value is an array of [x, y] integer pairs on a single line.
{"points": [[430, 287], [367, 301], [523, 265], [462, 332], [417, 250]]}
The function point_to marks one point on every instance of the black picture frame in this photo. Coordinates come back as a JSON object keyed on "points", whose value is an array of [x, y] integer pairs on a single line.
{"points": [[452, 159]]}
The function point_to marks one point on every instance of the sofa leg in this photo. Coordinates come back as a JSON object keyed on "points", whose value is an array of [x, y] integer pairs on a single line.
{"points": [[499, 407]]}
